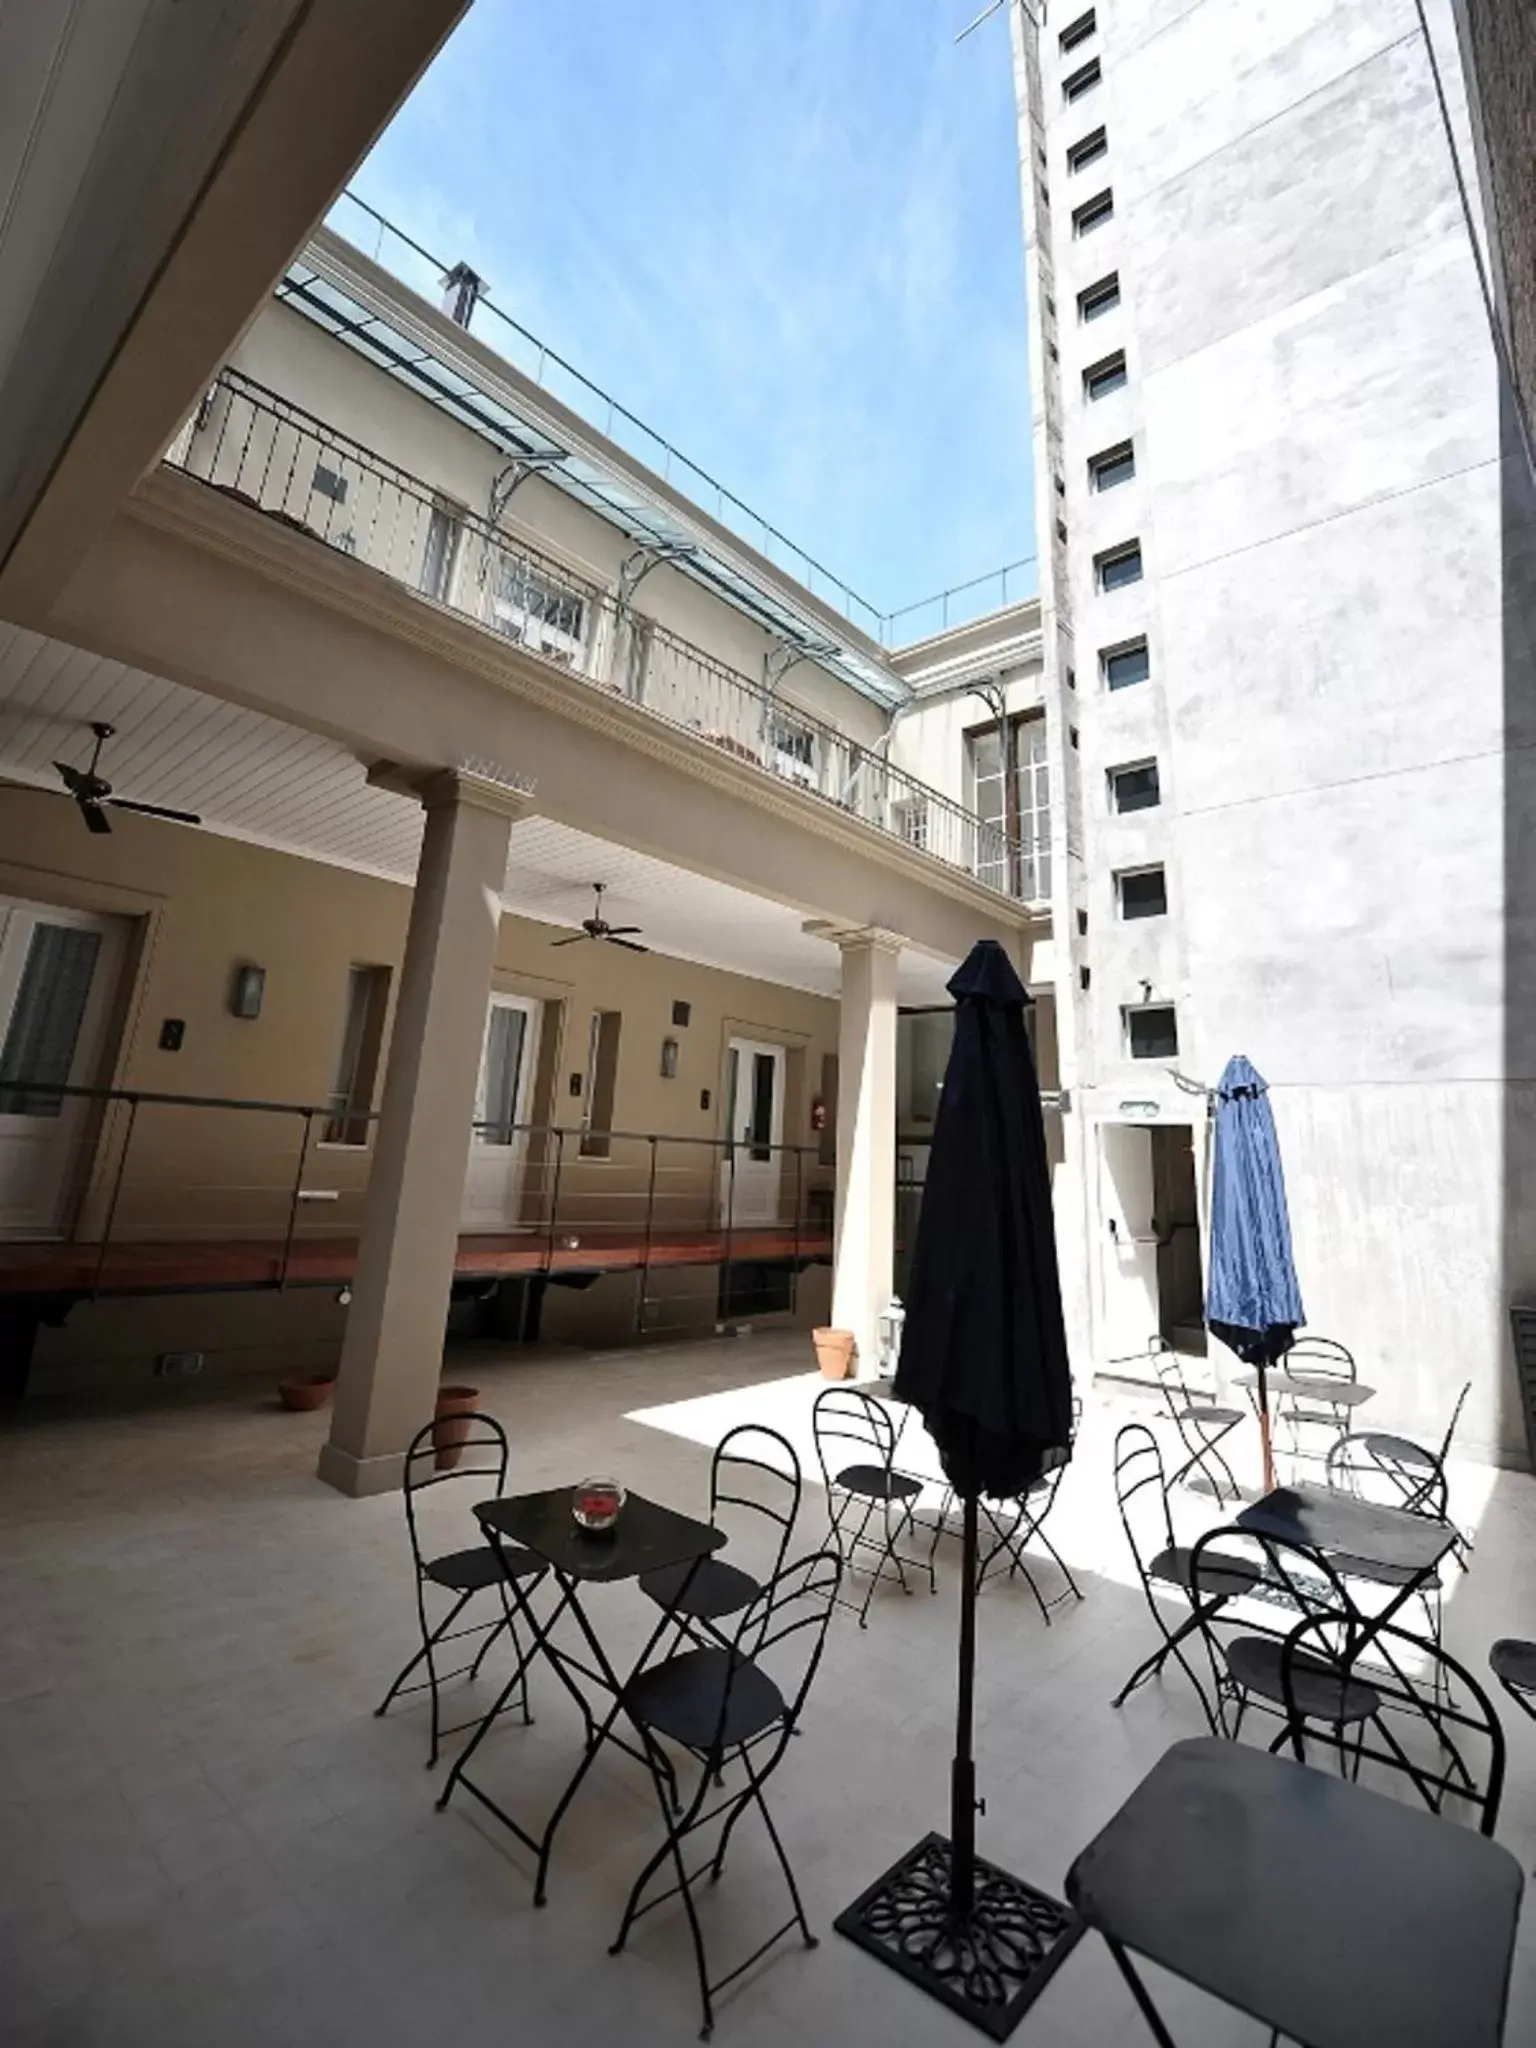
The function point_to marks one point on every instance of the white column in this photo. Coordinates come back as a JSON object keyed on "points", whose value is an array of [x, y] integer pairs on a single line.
{"points": [[864, 1241], [391, 1358]]}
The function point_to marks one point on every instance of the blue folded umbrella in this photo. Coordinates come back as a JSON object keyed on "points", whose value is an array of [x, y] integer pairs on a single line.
{"points": [[1252, 1301]]}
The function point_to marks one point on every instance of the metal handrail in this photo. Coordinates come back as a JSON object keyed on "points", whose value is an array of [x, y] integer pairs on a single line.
{"points": [[261, 448], [567, 1167]]}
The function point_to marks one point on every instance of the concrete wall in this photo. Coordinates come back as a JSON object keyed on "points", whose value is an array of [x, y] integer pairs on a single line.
{"points": [[1334, 542], [199, 906]]}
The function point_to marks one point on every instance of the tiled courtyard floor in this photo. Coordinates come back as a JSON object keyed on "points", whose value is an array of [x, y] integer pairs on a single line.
{"points": [[207, 1838]]}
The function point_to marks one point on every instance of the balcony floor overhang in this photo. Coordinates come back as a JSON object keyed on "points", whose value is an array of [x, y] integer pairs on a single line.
{"points": [[192, 591], [258, 779]]}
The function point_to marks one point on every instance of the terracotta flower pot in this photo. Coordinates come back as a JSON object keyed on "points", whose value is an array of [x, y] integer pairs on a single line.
{"points": [[835, 1353], [305, 1390], [455, 1417]]}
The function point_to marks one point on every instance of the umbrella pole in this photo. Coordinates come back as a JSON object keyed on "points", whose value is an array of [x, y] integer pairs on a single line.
{"points": [[962, 1814], [1264, 1436]]}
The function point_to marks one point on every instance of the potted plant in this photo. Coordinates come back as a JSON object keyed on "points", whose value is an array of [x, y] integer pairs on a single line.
{"points": [[835, 1353], [455, 1417], [303, 1391]]}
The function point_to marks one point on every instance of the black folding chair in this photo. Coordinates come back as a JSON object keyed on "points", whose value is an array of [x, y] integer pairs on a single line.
{"points": [[1321, 1359], [1201, 1421], [1513, 1664], [1356, 1467], [459, 1573], [1262, 1669], [1415, 1469], [1014, 1525], [1461, 1756], [1162, 1563], [845, 1419], [708, 1591], [732, 1707]]}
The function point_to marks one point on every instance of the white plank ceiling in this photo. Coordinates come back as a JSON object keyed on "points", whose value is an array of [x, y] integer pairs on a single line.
{"points": [[252, 777]]}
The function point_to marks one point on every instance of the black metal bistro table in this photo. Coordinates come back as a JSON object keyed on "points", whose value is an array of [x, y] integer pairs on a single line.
{"points": [[647, 1537], [1408, 1547], [1341, 1394], [1340, 1917]]}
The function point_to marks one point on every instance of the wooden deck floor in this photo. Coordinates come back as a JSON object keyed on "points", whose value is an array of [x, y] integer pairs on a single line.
{"points": [[214, 1265]]}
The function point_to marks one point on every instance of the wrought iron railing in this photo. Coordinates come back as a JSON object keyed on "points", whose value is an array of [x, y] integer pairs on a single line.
{"points": [[259, 447]]}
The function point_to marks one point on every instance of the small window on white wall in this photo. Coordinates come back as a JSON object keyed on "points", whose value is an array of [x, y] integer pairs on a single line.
{"points": [[1134, 787], [1151, 1031], [1142, 892]]}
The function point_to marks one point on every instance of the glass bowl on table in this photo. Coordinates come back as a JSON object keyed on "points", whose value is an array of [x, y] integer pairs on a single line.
{"points": [[596, 1505]]}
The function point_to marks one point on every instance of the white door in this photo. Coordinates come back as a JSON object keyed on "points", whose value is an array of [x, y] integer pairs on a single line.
{"points": [[1128, 1304], [752, 1167], [58, 975], [493, 1187]]}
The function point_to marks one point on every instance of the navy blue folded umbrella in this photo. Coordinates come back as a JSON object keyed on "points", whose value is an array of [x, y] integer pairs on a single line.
{"points": [[984, 1346], [1252, 1301]]}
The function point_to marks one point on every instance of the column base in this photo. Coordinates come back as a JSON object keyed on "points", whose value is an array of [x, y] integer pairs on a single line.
{"points": [[360, 1477]]}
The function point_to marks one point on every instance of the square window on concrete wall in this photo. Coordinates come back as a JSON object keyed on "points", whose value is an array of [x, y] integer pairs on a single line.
{"points": [[1094, 213], [1095, 300], [1087, 150], [1117, 567], [1112, 467], [1134, 787], [1141, 892], [1107, 375], [1151, 1031], [1125, 665]]}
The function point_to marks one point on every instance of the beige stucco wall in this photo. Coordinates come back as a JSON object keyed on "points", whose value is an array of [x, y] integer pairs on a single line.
{"points": [[200, 905]]}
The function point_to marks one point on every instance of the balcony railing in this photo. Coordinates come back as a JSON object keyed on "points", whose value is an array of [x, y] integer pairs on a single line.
{"points": [[261, 448]]}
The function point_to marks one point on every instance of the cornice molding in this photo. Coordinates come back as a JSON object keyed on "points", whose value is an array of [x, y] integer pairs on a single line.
{"points": [[222, 526]]}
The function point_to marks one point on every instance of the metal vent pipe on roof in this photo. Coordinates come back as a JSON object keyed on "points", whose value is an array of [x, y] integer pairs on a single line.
{"points": [[462, 287]]}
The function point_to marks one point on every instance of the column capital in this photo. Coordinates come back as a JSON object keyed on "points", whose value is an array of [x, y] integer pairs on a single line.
{"points": [[477, 784], [854, 938]]}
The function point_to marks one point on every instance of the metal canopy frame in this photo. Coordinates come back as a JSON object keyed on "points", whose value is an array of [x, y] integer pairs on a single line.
{"points": [[317, 285]]}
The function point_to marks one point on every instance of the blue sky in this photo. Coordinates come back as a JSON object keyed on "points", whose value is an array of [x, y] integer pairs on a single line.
{"points": [[783, 232]]}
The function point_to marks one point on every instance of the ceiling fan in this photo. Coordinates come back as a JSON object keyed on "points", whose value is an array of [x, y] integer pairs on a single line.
{"points": [[597, 927], [91, 791]]}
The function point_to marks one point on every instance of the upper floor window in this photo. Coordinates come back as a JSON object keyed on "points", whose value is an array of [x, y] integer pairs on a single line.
{"points": [[1134, 787], [1011, 794], [794, 748], [1151, 1031], [1105, 376], [440, 557], [1112, 467], [1078, 31], [1093, 213], [330, 483], [1119, 566], [1125, 665], [1081, 81], [533, 608], [1142, 892], [1088, 151], [1095, 300]]}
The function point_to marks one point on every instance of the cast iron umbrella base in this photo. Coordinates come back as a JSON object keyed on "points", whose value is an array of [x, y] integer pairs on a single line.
{"points": [[980, 1940]]}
